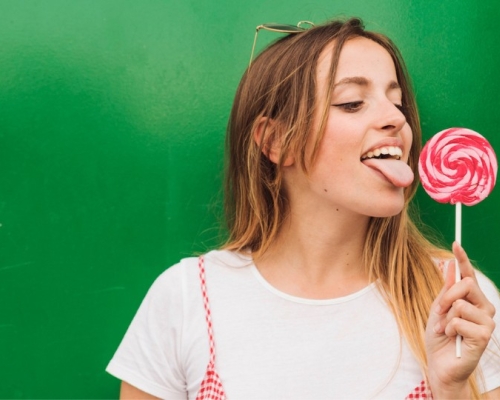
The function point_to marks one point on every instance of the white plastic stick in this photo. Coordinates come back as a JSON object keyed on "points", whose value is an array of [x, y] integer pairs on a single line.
{"points": [[458, 239]]}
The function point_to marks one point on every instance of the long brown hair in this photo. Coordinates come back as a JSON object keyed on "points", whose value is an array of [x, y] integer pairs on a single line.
{"points": [[281, 85]]}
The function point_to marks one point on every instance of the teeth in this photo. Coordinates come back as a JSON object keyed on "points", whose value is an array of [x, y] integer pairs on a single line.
{"points": [[386, 150]]}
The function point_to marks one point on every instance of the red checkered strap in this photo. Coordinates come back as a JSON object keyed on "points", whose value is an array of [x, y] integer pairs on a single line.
{"points": [[420, 392], [211, 387]]}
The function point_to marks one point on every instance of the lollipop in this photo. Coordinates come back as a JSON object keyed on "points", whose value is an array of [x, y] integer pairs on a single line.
{"points": [[458, 166]]}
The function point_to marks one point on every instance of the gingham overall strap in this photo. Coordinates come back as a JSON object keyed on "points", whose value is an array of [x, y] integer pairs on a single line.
{"points": [[211, 386], [420, 392]]}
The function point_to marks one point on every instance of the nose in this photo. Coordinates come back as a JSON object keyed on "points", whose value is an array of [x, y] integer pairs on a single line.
{"points": [[391, 117]]}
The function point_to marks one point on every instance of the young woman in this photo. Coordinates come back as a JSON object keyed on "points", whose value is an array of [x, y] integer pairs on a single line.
{"points": [[325, 288]]}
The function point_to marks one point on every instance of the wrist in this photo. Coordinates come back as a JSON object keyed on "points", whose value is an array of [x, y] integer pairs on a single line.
{"points": [[455, 391]]}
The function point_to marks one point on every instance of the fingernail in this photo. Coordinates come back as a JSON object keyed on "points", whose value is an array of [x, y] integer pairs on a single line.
{"points": [[437, 310], [459, 246], [437, 328]]}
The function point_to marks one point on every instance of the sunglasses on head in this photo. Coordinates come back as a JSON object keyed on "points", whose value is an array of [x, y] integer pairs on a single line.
{"points": [[280, 28]]}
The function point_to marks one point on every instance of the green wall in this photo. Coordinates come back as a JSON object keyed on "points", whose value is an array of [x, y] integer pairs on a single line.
{"points": [[112, 119]]}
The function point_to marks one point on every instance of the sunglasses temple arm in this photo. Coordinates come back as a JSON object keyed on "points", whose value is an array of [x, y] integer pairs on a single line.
{"points": [[253, 46]]}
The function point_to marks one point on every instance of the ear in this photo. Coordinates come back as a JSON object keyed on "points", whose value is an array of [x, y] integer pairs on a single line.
{"points": [[266, 136]]}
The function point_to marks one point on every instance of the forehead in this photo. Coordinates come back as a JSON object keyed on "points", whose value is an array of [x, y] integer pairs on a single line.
{"points": [[359, 57]]}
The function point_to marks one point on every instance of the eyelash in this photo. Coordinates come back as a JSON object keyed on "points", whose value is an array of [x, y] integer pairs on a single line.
{"points": [[354, 106], [351, 107]]}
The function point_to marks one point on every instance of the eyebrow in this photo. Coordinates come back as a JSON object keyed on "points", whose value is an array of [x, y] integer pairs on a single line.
{"points": [[361, 81]]}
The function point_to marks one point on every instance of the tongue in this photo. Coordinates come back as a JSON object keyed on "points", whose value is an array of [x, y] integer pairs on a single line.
{"points": [[397, 172]]}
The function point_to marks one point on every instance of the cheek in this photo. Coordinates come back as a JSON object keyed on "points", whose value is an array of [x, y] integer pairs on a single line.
{"points": [[336, 157], [340, 145], [340, 131], [408, 139], [409, 135], [342, 141], [330, 154]]}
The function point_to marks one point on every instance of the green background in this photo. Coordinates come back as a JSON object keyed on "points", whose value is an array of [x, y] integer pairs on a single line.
{"points": [[112, 122]]}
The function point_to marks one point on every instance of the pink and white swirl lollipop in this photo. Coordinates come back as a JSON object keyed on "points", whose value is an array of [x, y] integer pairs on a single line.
{"points": [[458, 166]]}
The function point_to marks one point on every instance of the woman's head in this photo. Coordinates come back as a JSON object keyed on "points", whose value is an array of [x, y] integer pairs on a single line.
{"points": [[278, 103]]}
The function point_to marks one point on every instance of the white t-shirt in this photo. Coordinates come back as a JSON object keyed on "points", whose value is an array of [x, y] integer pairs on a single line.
{"points": [[269, 345]]}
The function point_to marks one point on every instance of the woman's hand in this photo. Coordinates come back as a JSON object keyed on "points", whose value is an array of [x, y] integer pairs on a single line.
{"points": [[460, 309]]}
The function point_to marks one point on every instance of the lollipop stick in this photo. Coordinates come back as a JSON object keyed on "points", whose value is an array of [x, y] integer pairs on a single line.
{"points": [[458, 239]]}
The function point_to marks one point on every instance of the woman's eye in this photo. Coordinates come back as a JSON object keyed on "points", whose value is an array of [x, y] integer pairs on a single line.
{"points": [[352, 106]]}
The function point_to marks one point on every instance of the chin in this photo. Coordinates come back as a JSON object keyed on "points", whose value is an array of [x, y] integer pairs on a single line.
{"points": [[389, 209], [388, 214]]}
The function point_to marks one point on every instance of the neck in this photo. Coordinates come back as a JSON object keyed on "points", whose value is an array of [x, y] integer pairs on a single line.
{"points": [[317, 257]]}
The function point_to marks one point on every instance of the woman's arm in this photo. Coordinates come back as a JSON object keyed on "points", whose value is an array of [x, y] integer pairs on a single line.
{"points": [[129, 392], [493, 394]]}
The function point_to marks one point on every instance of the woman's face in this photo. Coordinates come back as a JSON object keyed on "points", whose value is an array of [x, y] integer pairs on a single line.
{"points": [[361, 165]]}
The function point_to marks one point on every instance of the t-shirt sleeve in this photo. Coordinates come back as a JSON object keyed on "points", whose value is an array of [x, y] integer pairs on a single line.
{"points": [[490, 361], [149, 355]]}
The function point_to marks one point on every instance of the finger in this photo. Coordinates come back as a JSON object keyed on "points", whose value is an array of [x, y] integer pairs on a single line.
{"points": [[449, 281], [466, 268], [442, 304], [465, 310], [437, 319], [467, 289], [471, 332]]}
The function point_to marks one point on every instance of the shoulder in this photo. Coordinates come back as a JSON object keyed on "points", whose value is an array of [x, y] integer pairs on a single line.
{"points": [[187, 269], [490, 366], [487, 285], [490, 291], [224, 260], [182, 278]]}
